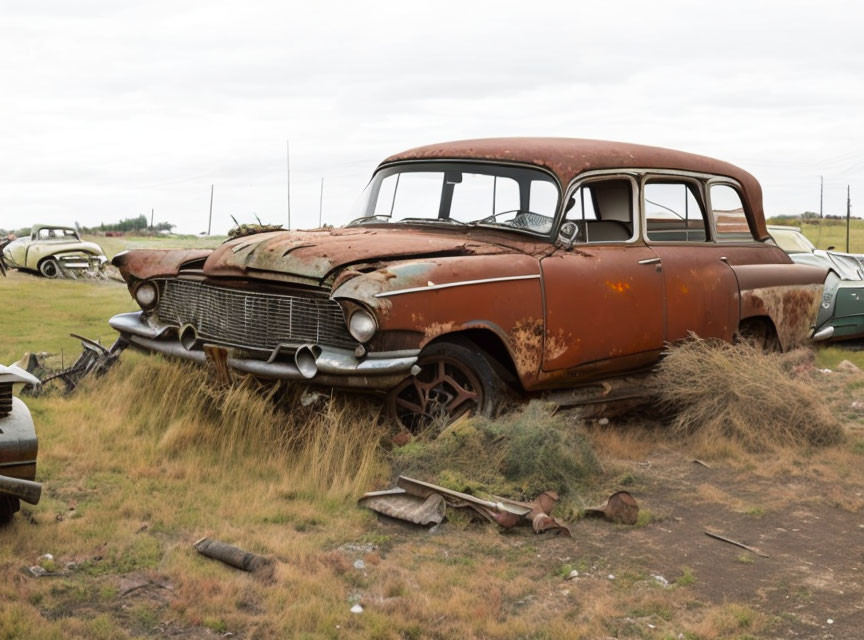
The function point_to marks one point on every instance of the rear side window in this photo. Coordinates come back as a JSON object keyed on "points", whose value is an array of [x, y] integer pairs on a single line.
{"points": [[729, 216], [674, 213]]}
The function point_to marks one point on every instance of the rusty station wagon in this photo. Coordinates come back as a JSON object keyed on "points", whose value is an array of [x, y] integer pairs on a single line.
{"points": [[480, 268]]}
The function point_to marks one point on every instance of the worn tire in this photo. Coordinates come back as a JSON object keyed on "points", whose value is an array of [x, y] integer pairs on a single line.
{"points": [[461, 360], [8, 507], [49, 268]]}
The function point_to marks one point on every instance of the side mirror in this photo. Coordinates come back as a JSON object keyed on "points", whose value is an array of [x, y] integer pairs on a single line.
{"points": [[567, 234]]}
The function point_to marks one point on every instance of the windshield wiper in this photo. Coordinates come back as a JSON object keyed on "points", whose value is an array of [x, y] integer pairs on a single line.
{"points": [[434, 220]]}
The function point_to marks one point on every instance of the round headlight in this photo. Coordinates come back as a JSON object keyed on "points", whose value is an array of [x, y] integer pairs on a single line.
{"points": [[145, 295], [362, 325]]}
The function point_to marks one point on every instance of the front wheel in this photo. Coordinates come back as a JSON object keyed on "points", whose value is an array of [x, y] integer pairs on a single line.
{"points": [[454, 380], [49, 268]]}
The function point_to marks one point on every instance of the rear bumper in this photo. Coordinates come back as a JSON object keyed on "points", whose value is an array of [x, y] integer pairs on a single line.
{"points": [[332, 366]]}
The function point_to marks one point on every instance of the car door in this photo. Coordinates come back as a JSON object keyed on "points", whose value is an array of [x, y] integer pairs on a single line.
{"points": [[701, 289], [604, 297]]}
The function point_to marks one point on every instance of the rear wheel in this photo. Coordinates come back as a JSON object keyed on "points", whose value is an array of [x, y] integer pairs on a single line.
{"points": [[454, 380], [8, 506], [760, 334], [49, 268]]}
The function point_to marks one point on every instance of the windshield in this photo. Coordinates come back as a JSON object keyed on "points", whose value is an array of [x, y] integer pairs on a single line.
{"points": [[792, 241], [55, 234], [460, 193]]}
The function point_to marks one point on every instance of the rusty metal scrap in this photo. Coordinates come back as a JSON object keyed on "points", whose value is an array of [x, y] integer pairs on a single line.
{"points": [[425, 503], [398, 503], [95, 359], [621, 508], [236, 557]]}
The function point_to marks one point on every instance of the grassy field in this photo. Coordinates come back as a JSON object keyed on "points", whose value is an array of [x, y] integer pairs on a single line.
{"points": [[828, 233], [143, 462], [113, 246]]}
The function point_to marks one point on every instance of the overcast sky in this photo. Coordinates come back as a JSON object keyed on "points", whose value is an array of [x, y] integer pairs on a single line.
{"points": [[108, 110]]}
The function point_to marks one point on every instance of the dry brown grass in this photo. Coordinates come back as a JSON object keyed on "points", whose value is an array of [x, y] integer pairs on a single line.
{"points": [[722, 397]]}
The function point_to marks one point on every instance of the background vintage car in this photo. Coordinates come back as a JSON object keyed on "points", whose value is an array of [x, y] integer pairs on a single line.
{"points": [[50, 249], [841, 313], [481, 267]]}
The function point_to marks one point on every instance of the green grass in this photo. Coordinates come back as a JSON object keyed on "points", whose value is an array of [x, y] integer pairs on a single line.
{"points": [[39, 314]]}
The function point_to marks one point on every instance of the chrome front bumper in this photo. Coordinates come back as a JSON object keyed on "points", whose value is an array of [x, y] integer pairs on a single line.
{"points": [[322, 365]]}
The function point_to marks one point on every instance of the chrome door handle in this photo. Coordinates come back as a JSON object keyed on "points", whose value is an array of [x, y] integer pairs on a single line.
{"points": [[650, 261]]}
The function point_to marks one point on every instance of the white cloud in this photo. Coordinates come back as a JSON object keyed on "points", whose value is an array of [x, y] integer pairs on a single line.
{"points": [[110, 110]]}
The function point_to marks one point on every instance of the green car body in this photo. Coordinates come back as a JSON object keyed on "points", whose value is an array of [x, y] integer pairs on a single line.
{"points": [[841, 312]]}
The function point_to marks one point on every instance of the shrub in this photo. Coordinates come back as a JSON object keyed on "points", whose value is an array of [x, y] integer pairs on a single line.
{"points": [[715, 392]]}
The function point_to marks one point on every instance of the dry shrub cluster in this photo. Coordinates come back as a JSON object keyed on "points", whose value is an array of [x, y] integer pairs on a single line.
{"points": [[719, 393], [330, 445], [518, 455]]}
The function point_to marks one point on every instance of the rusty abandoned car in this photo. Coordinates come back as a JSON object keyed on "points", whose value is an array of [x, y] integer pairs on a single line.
{"points": [[475, 269]]}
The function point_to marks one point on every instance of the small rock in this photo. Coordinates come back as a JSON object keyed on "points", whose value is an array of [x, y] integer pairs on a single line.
{"points": [[661, 580], [857, 406], [359, 564], [573, 574], [36, 571], [356, 609], [830, 621], [603, 422], [46, 557], [611, 577], [847, 367]]}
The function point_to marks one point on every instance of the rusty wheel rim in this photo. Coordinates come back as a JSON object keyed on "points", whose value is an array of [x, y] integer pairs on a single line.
{"points": [[444, 390]]}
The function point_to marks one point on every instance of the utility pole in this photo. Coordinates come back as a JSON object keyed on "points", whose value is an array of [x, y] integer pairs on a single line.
{"points": [[821, 191], [288, 178], [151, 218], [210, 219], [848, 214], [321, 204]]}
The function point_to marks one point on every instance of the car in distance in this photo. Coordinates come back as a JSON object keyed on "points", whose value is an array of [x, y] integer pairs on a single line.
{"points": [[50, 250], [475, 269], [841, 313]]}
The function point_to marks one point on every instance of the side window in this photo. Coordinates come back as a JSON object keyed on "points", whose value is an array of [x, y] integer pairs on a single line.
{"points": [[602, 210], [674, 213], [729, 216]]}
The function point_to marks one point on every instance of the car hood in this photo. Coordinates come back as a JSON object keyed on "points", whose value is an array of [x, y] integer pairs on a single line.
{"points": [[315, 256]]}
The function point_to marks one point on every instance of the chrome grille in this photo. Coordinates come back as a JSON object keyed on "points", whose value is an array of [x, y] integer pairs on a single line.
{"points": [[252, 320]]}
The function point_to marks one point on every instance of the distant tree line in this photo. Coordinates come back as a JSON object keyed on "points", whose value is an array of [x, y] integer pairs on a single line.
{"points": [[127, 225]]}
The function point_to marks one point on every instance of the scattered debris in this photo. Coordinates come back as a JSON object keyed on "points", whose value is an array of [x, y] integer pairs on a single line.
{"points": [[847, 367], [425, 503], [717, 536], [356, 609], [36, 571], [398, 503], [858, 406], [572, 575], [236, 557], [620, 508], [701, 463], [359, 564], [663, 582], [95, 359]]}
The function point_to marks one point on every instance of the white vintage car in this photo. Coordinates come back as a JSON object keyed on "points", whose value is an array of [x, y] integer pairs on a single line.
{"points": [[53, 251]]}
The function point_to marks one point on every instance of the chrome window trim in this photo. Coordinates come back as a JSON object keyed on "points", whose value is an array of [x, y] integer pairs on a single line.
{"points": [[508, 163], [605, 174], [730, 182], [699, 181], [449, 285]]}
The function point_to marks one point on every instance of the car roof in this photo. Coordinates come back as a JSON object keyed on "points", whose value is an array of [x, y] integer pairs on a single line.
{"points": [[38, 227], [569, 157]]}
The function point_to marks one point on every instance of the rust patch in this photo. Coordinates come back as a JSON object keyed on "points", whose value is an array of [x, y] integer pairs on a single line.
{"points": [[793, 310], [556, 345], [527, 340], [438, 328], [618, 287]]}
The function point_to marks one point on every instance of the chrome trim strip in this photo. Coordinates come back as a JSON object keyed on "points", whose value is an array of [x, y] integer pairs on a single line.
{"points": [[463, 283], [823, 334], [21, 463]]}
